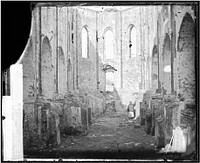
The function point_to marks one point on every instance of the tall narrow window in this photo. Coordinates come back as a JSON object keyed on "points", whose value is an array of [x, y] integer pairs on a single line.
{"points": [[68, 36], [84, 43], [109, 42], [132, 41]]}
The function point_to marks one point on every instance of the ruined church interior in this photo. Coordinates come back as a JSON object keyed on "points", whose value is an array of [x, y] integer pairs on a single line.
{"points": [[84, 67]]}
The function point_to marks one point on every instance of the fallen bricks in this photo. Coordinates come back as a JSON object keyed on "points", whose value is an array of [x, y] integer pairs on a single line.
{"points": [[164, 114]]}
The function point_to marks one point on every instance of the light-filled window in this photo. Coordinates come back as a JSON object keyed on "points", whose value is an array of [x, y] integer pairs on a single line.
{"points": [[84, 43], [109, 44], [132, 41], [68, 36]]}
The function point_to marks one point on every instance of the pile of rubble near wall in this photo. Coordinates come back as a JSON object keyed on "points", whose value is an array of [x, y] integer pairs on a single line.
{"points": [[161, 114], [48, 115], [145, 112], [188, 122], [62, 115], [171, 104]]}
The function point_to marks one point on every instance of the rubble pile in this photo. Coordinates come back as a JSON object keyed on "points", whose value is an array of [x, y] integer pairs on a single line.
{"points": [[111, 111], [189, 112], [137, 122], [144, 106], [72, 100], [171, 103], [157, 123]]}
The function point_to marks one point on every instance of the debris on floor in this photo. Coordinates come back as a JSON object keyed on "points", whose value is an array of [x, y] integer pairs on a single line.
{"points": [[137, 144], [107, 134], [130, 143]]}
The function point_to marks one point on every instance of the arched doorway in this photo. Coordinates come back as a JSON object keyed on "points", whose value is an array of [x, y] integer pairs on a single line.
{"points": [[186, 57], [109, 77], [167, 64], [155, 68], [62, 83], [47, 75]]}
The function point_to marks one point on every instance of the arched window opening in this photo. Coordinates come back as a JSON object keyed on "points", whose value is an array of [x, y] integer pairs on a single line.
{"points": [[155, 68], [47, 84], [186, 55], [132, 41], [84, 43], [109, 44], [68, 36], [167, 64]]}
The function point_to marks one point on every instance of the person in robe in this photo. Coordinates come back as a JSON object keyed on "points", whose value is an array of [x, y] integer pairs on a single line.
{"points": [[131, 111]]}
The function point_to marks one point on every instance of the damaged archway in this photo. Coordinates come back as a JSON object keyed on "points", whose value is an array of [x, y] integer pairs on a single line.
{"points": [[167, 64], [109, 73], [155, 68], [186, 57], [47, 74]]}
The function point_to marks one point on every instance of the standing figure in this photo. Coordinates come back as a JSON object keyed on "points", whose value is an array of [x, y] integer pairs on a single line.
{"points": [[131, 111]]}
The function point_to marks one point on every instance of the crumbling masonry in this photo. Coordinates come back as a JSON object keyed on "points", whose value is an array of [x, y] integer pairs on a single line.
{"points": [[63, 91]]}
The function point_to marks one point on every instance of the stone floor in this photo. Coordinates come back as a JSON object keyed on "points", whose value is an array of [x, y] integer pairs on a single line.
{"points": [[109, 137]]}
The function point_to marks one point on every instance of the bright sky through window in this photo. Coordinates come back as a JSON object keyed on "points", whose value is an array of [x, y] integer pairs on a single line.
{"points": [[133, 41], [167, 68], [109, 41], [84, 43]]}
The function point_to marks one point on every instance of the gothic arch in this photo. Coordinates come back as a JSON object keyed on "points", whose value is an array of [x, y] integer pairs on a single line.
{"points": [[109, 43], [47, 74], [106, 29], [68, 37], [186, 57], [132, 40], [62, 83], [85, 41], [181, 16], [166, 29], [167, 64], [155, 64]]}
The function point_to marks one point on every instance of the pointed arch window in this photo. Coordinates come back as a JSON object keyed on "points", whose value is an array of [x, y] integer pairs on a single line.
{"points": [[109, 44], [132, 41], [68, 36], [85, 43]]}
